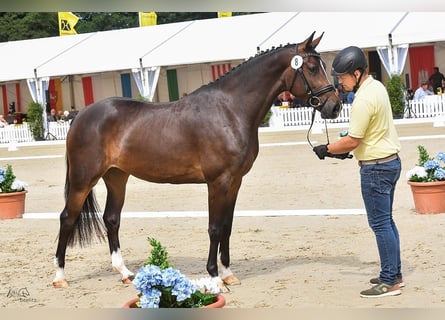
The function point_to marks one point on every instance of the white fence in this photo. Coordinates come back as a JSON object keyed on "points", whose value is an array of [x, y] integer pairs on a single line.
{"points": [[430, 107], [22, 133]]}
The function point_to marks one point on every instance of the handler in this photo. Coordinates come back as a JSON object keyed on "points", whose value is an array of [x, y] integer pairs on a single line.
{"points": [[373, 137]]}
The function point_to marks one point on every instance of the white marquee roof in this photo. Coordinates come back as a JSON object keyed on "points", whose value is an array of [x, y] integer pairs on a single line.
{"points": [[211, 40]]}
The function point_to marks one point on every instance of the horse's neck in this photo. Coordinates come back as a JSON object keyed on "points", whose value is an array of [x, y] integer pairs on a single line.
{"points": [[255, 86]]}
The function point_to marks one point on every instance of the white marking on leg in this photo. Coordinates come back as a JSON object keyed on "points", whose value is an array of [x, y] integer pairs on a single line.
{"points": [[225, 272], [60, 273], [118, 263]]}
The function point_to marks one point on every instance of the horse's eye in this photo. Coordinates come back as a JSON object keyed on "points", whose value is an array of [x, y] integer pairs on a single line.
{"points": [[313, 69]]}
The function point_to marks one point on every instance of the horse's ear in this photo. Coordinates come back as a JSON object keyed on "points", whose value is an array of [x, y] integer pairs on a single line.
{"points": [[315, 42], [308, 41]]}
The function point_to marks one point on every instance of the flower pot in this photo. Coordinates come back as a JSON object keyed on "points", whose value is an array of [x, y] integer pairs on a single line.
{"points": [[12, 205], [429, 197], [219, 303]]}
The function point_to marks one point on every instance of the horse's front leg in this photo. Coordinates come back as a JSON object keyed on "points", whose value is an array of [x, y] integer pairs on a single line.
{"points": [[115, 181], [222, 198]]}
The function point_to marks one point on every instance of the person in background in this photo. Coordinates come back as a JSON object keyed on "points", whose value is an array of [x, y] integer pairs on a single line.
{"points": [[373, 138], [285, 98], [53, 115], [350, 97], [341, 93], [422, 91], [3, 122], [436, 81]]}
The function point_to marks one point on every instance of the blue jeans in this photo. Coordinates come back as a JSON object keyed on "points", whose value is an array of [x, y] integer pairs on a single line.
{"points": [[378, 182]]}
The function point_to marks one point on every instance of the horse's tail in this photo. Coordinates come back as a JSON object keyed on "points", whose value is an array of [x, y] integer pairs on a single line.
{"points": [[89, 224]]}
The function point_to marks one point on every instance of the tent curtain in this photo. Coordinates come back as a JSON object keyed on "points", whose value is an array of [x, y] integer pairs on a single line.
{"points": [[393, 60], [87, 86], [37, 88], [421, 64], [146, 80]]}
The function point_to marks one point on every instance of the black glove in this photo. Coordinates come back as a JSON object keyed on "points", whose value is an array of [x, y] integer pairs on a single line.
{"points": [[322, 152], [341, 156]]}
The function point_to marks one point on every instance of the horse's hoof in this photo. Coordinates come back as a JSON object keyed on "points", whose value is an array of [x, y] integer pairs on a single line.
{"points": [[231, 280], [60, 284], [224, 288], [127, 280]]}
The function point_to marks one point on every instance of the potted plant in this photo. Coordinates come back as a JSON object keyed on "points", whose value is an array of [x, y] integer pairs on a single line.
{"points": [[396, 88], [427, 181], [35, 120], [12, 194], [162, 286]]}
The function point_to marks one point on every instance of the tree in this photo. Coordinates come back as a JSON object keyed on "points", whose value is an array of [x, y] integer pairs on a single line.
{"points": [[31, 25], [27, 25]]}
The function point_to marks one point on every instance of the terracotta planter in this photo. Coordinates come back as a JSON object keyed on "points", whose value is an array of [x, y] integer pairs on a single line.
{"points": [[219, 303], [429, 197], [12, 205]]}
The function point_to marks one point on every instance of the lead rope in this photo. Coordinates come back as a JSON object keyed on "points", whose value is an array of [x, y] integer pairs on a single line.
{"points": [[310, 129]]}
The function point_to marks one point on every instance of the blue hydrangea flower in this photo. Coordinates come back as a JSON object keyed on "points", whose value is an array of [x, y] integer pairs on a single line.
{"points": [[183, 288], [441, 156], [439, 174], [2, 175], [147, 277], [153, 283], [170, 276], [151, 299], [431, 164]]}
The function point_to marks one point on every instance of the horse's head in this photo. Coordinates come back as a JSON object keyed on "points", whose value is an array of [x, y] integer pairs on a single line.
{"points": [[307, 79]]}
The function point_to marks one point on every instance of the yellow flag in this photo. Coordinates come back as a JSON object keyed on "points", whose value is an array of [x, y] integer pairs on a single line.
{"points": [[224, 14], [147, 19], [67, 21]]}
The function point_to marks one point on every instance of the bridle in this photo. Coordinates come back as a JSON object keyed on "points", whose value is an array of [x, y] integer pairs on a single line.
{"points": [[313, 99]]}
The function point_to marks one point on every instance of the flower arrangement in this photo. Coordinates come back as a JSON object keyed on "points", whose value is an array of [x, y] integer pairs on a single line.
{"points": [[428, 169], [162, 286], [8, 181]]}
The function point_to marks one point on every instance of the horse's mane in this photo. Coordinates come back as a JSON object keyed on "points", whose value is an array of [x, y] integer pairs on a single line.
{"points": [[246, 62]]}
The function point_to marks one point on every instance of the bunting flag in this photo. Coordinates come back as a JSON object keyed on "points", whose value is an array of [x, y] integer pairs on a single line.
{"points": [[147, 19], [219, 69], [224, 14], [67, 21]]}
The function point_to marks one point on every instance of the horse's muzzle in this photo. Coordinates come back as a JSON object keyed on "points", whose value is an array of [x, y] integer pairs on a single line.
{"points": [[331, 112]]}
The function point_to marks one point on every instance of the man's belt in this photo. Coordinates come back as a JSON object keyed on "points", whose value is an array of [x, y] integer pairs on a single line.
{"points": [[377, 161]]}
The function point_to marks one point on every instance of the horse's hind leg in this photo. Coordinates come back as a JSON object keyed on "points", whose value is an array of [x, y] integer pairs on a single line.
{"points": [[115, 181], [222, 198], [69, 219], [67, 225]]}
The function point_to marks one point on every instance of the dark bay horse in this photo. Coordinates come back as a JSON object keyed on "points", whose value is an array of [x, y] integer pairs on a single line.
{"points": [[209, 136]]}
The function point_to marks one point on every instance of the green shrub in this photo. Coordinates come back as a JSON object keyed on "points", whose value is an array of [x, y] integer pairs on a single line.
{"points": [[396, 88], [35, 120]]}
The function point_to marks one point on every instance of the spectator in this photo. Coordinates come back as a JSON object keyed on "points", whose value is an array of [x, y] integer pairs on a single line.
{"points": [[436, 81], [341, 93], [350, 97], [285, 98], [53, 116], [3, 122], [422, 91]]}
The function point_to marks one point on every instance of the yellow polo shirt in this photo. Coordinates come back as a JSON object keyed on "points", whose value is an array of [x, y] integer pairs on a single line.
{"points": [[371, 121]]}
